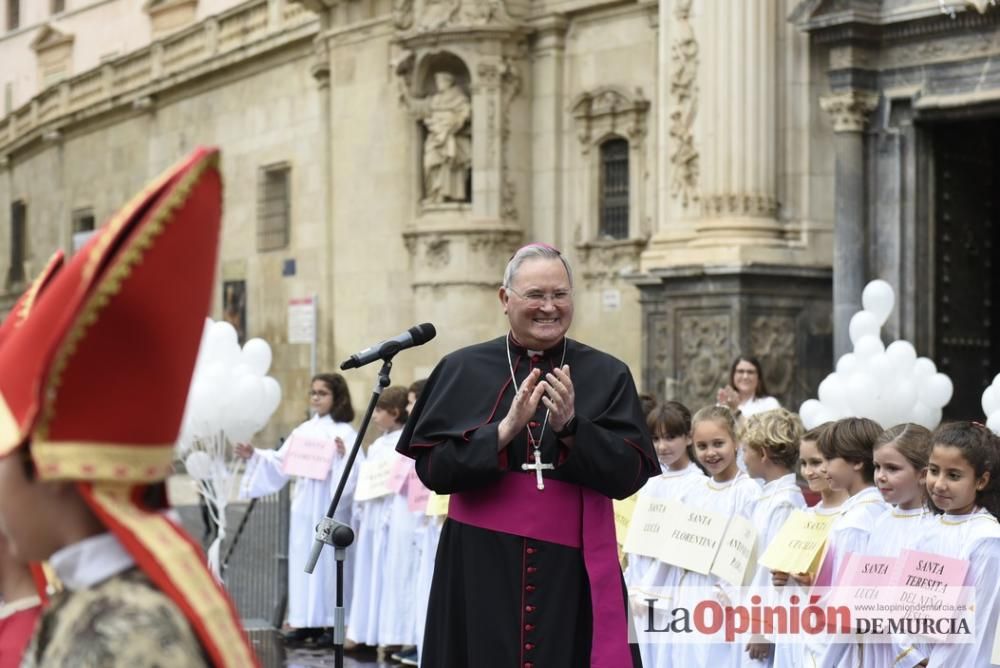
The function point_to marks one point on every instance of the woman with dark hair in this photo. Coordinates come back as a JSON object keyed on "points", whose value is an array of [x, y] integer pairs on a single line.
{"points": [[746, 394], [321, 440]]}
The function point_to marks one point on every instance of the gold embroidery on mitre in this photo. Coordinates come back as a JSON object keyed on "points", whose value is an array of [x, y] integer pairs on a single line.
{"points": [[185, 567], [111, 284], [10, 432], [32, 294], [102, 461]]}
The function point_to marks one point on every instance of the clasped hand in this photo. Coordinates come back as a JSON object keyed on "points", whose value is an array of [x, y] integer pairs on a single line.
{"points": [[555, 392]]}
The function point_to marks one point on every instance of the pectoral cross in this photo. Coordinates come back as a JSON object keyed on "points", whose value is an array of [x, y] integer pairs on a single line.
{"points": [[538, 467]]}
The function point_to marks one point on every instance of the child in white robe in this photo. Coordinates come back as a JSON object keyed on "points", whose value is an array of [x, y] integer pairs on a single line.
{"points": [[373, 517], [646, 577], [789, 652], [963, 481], [847, 445], [900, 459], [729, 492], [311, 598], [772, 451]]}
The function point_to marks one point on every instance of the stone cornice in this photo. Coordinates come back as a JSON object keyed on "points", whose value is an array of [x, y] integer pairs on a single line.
{"points": [[849, 110], [134, 80]]}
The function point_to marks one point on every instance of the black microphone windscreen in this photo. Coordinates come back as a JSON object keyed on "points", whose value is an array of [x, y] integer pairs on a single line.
{"points": [[421, 334]]}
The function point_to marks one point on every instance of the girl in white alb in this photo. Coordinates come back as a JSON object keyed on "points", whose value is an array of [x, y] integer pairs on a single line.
{"points": [[647, 577], [772, 451], [963, 481], [373, 517], [789, 652], [727, 492], [900, 458], [847, 446], [311, 598]]}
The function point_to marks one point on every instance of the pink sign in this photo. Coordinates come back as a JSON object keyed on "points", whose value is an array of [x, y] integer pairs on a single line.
{"points": [[931, 573], [416, 493], [862, 570], [309, 458], [401, 468]]}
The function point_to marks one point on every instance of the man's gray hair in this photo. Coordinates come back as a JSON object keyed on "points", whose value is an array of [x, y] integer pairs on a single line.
{"points": [[531, 252]]}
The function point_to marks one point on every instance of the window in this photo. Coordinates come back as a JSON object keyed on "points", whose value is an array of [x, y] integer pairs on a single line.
{"points": [[58, 6], [13, 14], [614, 189], [273, 208], [83, 227], [18, 216]]}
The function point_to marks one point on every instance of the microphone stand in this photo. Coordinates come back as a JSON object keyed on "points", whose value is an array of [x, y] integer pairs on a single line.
{"points": [[331, 532]]}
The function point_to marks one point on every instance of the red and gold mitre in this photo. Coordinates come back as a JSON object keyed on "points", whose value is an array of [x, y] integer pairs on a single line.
{"points": [[95, 364]]}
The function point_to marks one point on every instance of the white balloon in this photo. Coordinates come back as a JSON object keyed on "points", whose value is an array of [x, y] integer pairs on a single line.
{"points": [[833, 391], [903, 356], [924, 367], [991, 400], [866, 348], [272, 395], [996, 380], [863, 323], [993, 423], [879, 298], [808, 411], [826, 414], [925, 416], [899, 398], [847, 364], [880, 366], [862, 393], [257, 356], [199, 465], [936, 391]]}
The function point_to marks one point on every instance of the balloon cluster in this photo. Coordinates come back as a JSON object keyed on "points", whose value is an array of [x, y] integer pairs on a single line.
{"points": [[231, 398], [890, 385], [991, 405]]}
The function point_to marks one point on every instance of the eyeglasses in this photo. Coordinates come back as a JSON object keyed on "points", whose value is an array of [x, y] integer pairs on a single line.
{"points": [[538, 298], [319, 393], [745, 372]]}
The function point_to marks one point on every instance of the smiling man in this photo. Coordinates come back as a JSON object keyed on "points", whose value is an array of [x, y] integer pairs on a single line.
{"points": [[531, 434]]}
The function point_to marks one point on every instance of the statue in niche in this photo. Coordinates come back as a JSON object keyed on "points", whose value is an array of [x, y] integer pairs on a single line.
{"points": [[448, 145]]}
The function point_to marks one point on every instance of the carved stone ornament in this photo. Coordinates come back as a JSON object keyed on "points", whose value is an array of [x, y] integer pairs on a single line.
{"points": [[420, 16], [705, 356], [849, 110], [684, 167], [743, 204], [602, 260], [607, 110], [772, 341]]}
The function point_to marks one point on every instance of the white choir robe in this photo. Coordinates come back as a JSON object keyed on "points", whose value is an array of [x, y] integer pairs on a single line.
{"points": [[372, 520], [777, 501], [647, 577], [849, 533], [397, 604], [897, 530], [976, 538], [311, 598], [428, 537], [735, 497], [794, 654]]}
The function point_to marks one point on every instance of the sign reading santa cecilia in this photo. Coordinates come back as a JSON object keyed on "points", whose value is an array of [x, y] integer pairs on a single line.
{"points": [[675, 534], [799, 543]]}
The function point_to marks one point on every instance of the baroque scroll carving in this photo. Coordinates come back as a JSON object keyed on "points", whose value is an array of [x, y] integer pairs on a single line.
{"points": [[705, 353], [772, 341], [684, 103], [849, 110]]}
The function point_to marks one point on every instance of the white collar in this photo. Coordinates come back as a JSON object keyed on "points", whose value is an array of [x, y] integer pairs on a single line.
{"points": [[785, 481], [864, 496], [90, 561]]}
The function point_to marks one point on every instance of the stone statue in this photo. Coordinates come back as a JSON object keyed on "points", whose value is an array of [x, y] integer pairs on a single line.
{"points": [[448, 146]]}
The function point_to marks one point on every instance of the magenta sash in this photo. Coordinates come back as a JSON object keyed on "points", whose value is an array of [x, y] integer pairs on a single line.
{"points": [[573, 516]]}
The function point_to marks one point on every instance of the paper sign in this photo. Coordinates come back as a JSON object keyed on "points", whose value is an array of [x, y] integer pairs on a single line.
{"points": [[416, 493], [373, 479], [676, 534], [798, 544], [400, 472], [861, 570], [623, 515], [736, 558], [931, 573], [647, 526], [437, 504], [309, 457]]}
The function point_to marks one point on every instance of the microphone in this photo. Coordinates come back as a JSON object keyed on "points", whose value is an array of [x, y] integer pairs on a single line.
{"points": [[414, 336]]}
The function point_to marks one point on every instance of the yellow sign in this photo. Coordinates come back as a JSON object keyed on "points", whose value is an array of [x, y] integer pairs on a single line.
{"points": [[799, 543], [736, 558], [676, 534], [437, 504], [623, 515], [373, 479]]}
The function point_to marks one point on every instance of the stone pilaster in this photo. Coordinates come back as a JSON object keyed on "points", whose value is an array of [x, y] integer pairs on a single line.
{"points": [[849, 111]]}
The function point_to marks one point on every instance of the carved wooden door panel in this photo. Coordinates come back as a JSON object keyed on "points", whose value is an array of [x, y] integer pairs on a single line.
{"points": [[967, 205]]}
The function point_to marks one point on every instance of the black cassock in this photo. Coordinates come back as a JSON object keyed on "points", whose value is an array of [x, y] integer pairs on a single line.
{"points": [[498, 599]]}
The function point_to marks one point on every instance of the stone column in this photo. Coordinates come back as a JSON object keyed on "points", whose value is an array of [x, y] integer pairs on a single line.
{"points": [[548, 102], [849, 111], [739, 125]]}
